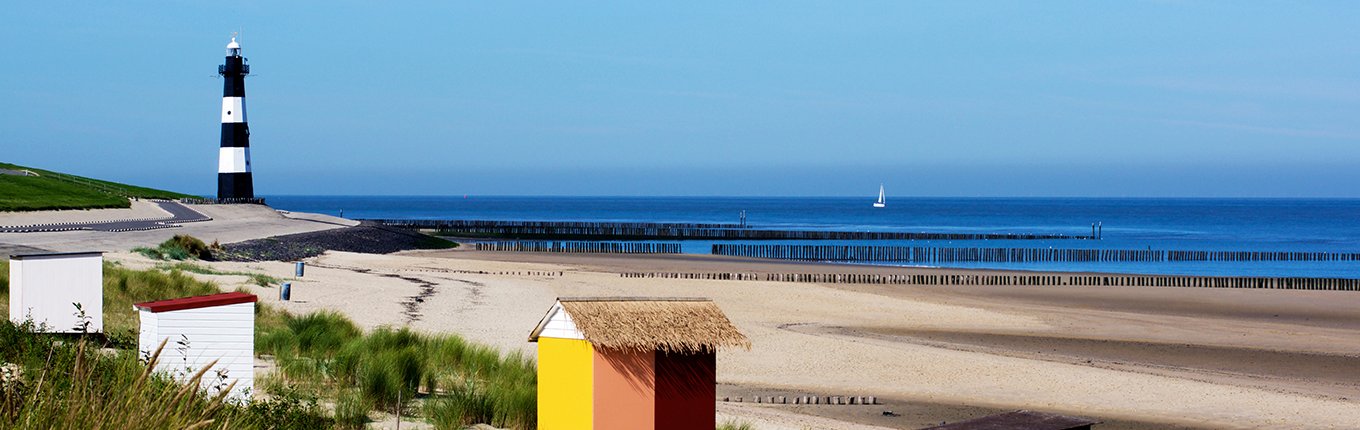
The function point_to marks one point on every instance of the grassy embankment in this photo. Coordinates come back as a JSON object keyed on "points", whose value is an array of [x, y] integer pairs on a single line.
{"points": [[52, 190], [321, 357]]}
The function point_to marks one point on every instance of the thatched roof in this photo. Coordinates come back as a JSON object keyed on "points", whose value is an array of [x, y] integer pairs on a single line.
{"points": [[667, 324]]}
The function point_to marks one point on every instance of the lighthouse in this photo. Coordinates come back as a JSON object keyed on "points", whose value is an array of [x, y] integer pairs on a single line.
{"points": [[233, 162]]}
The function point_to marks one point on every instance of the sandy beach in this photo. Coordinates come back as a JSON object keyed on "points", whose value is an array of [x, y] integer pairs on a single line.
{"points": [[1132, 357]]}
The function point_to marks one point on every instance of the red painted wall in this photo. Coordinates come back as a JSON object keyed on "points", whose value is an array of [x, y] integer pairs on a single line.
{"points": [[625, 390], [685, 391]]}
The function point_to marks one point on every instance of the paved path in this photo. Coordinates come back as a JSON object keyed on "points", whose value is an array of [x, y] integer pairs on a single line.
{"points": [[178, 214]]}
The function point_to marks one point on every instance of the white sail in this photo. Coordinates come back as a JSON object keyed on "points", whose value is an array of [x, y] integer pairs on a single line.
{"points": [[881, 201]]}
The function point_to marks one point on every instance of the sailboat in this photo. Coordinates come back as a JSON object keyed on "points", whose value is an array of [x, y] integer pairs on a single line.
{"points": [[881, 202]]}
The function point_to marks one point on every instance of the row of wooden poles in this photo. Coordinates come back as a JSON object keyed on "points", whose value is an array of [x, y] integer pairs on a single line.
{"points": [[1295, 283], [923, 254], [491, 224], [809, 400], [654, 231], [582, 247]]}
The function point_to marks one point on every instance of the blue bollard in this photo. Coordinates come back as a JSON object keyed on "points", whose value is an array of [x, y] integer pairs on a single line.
{"points": [[286, 291], [297, 268]]}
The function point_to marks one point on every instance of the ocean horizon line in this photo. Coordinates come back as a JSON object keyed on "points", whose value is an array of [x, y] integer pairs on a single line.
{"points": [[856, 196]]}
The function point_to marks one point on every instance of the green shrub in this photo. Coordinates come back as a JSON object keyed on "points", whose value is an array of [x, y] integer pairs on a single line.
{"points": [[179, 247], [290, 410], [188, 245]]}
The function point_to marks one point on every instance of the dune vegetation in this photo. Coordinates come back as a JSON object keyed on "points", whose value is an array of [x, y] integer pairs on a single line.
{"points": [[180, 247], [50, 382], [447, 380], [330, 374]]}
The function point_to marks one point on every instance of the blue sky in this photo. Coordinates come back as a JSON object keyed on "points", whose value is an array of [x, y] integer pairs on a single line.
{"points": [[1161, 98]]}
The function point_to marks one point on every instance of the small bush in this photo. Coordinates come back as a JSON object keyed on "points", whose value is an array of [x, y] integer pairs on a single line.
{"points": [[290, 410], [189, 245], [179, 247]]}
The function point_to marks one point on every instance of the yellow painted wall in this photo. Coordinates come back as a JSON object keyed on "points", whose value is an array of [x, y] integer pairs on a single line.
{"points": [[565, 380]]}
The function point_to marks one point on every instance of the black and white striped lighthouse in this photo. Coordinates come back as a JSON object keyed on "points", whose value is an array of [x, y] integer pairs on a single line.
{"points": [[233, 163]]}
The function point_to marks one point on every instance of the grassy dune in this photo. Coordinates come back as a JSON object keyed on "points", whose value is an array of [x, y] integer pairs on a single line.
{"points": [[323, 358], [52, 190], [451, 382]]}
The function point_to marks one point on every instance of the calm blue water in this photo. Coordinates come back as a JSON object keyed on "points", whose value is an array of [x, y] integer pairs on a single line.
{"points": [[1184, 224]]}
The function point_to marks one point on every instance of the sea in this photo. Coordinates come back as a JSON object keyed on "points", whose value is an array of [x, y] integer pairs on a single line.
{"points": [[1195, 224]]}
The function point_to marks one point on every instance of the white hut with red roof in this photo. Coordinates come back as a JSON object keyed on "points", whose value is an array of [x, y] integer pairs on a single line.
{"points": [[199, 331]]}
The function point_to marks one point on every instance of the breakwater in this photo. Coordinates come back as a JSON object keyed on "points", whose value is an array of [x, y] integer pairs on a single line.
{"points": [[921, 254], [678, 231], [1288, 283], [582, 247]]}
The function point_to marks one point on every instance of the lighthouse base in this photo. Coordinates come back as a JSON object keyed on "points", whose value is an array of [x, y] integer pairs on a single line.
{"points": [[232, 186]]}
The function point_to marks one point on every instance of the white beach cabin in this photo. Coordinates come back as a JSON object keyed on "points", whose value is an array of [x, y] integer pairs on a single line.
{"points": [[46, 287], [198, 330]]}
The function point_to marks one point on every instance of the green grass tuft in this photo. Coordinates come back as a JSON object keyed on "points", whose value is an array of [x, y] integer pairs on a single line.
{"points": [[351, 410], [459, 382], [66, 384], [734, 425], [259, 279]]}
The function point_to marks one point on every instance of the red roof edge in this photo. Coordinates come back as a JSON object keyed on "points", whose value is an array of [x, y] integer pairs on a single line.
{"points": [[196, 302]]}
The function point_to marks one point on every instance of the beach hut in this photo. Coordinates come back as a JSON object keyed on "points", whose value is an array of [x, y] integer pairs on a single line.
{"points": [[630, 362], [45, 288], [198, 330]]}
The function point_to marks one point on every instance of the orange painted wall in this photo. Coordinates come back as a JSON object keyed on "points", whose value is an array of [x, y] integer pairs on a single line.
{"points": [[685, 391], [625, 390]]}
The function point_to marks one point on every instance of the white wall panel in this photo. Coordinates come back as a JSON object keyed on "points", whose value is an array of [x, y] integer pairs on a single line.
{"points": [[223, 333], [45, 289]]}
